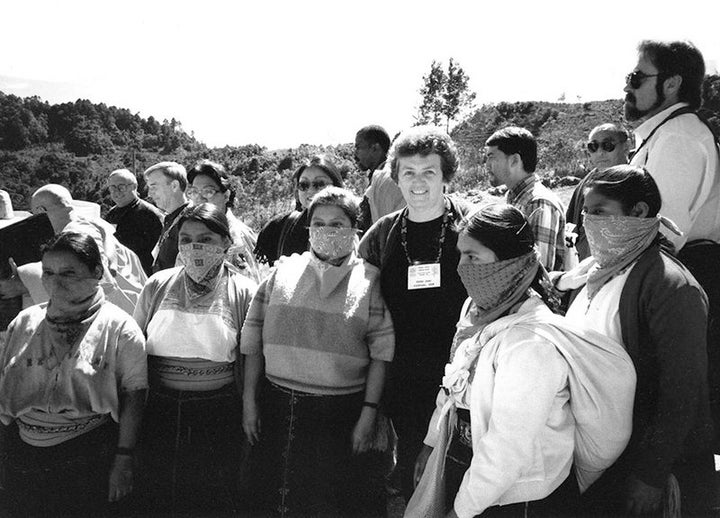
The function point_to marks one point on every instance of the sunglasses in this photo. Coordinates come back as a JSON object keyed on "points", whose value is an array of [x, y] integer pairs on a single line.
{"points": [[606, 145], [637, 78], [317, 185]]}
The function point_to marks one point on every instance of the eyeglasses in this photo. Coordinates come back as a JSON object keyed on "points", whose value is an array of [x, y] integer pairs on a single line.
{"points": [[205, 192], [121, 187], [606, 145], [316, 184], [637, 78]]}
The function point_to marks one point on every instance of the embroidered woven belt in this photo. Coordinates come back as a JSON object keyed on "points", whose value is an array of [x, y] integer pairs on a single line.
{"points": [[192, 371], [65, 428]]}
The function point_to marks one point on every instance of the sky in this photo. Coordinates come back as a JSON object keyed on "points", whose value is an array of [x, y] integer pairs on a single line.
{"points": [[283, 73]]}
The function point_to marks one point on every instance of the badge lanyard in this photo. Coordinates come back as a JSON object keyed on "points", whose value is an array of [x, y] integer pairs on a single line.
{"points": [[422, 276]]}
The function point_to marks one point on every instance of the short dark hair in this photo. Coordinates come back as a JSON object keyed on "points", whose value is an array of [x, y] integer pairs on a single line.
{"points": [[209, 215], [423, 141], [680, 58], [513, 140], [337, 197], [616, 130], [323, 162], [374, 134], [81, 245], [628, 185], [217, 173]]}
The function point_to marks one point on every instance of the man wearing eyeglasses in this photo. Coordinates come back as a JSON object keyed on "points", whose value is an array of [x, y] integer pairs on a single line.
{"points": [[608, 145], [672, 432], [138, 224]]}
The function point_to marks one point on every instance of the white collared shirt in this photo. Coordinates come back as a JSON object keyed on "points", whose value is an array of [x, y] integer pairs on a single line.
{"points": [[682, 158]]}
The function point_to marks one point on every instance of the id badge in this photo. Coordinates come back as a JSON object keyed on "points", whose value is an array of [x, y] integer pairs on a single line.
{"points": [[422, 276]]}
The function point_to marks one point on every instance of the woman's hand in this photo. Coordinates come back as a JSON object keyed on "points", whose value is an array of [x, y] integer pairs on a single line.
{"points": [[362, 434], [420, 463], [577, 277], [121, 478], [251, 420]]}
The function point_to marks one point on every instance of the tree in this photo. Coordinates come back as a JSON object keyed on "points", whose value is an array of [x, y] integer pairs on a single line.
{"points": [[444, 94], [87, 137], [457, 94], [19, 127], [434, 83]]}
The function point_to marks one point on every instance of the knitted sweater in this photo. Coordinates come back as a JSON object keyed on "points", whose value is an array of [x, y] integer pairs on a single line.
{"points": [[319, 325]]}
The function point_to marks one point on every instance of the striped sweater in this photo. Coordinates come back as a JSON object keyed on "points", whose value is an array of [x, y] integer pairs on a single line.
{"points": [[318, 325]]}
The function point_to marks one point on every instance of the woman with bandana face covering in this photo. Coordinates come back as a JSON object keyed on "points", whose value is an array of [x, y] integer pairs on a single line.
{"points": [[638, 294], [525, 394], [73, 376], [192, 316], [316, 342]]}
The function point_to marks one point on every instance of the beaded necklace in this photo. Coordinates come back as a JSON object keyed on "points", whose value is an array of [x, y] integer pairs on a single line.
{"points": [[441, 240]]}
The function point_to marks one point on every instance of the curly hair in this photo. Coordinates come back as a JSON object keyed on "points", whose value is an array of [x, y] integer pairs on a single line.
{"points": [[424, 141]]}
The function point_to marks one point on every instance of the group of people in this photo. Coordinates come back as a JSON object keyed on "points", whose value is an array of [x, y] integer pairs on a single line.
{"points": [[403, 337]]}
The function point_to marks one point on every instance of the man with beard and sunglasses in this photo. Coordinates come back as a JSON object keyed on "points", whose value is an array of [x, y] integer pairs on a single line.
{"points": [[680, 151], [663, 93]]}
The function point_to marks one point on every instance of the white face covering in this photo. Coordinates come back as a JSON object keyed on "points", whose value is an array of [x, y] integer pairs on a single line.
{"points": [[332, 243], [201, 260]]}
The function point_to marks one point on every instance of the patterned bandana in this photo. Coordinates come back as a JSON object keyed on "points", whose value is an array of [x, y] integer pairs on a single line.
{"points": [[68, 321], [202, 261], [498, 287], [616, 241], [70, 297], [332, 243], [495, 284]]}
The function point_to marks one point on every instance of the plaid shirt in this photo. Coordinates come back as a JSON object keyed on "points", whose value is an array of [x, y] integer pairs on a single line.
{"points": [[547, 223]]}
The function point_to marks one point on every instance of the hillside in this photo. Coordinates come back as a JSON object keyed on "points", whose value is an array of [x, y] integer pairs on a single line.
{"points": [[78, 144]]}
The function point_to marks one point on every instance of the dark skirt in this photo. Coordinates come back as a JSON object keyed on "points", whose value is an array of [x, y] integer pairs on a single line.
{"points": [[304, 465], [194, 451], [69, 479], [564, 501]]}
